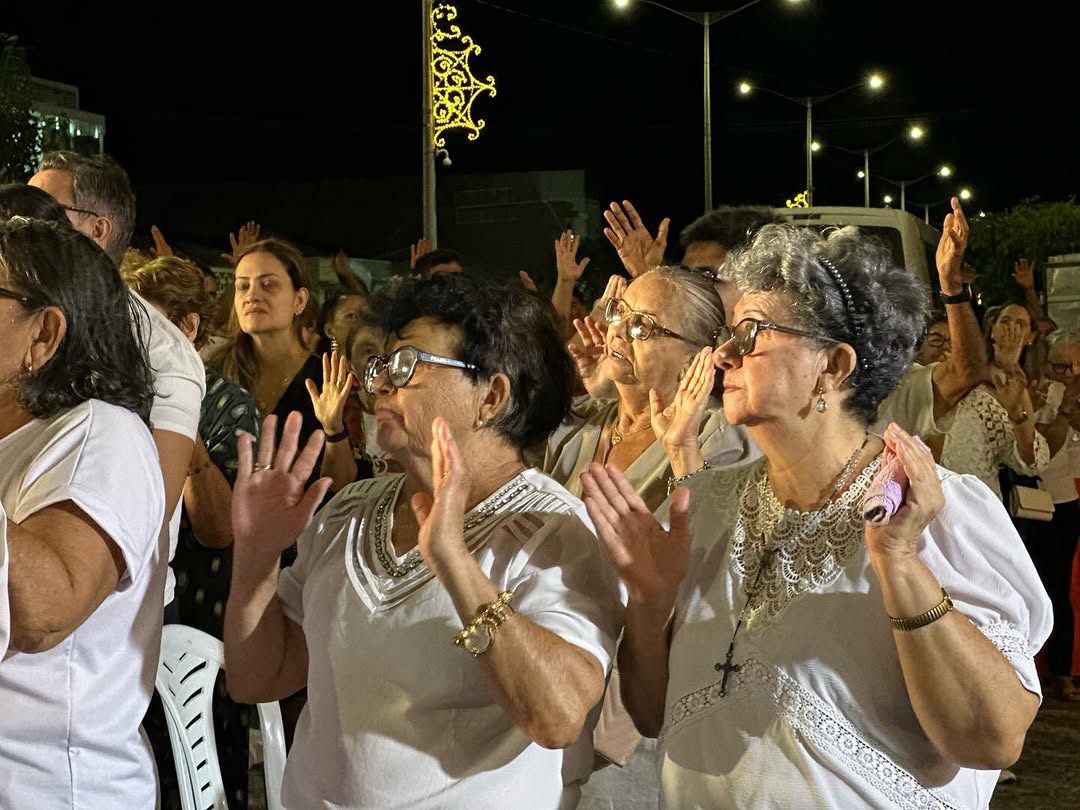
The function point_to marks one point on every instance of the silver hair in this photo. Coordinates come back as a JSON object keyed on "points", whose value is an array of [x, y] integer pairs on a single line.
{"points": [[881, 313], [702, 309], [99, 184], [1063, 337]]}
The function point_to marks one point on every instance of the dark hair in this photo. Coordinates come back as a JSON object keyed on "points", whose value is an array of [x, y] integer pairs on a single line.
{"points": [[731, 227], [329, 310], [19, 200], [990, 319], [99, 183], [236, 360], [879, 309], [434, 258], [504, 329], [101, 356]]}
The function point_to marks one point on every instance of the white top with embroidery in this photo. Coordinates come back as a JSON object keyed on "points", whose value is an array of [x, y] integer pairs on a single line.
{"points": [[981, 439], [397, 716], [817, 714]]}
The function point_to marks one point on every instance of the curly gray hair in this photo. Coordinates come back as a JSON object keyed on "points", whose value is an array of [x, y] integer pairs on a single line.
{"points": [[844, 286]]}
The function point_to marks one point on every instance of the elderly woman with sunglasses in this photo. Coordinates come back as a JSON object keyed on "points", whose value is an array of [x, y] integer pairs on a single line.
{"points": [[652, 353], [792, 650], [453, 624]]}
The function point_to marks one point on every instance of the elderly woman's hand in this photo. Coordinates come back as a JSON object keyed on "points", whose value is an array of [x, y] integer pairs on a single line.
{"points": [[269, 505], [589, 355], [329, 404], [677, 423], [899, 539], [651, 562], [616, 288], [442, 517]]}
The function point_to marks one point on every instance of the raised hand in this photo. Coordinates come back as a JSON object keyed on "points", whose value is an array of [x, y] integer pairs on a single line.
{"points": [[676, 424], [329, 404], [1024, 274], [527, 281], [899, 539], [616, 288], [441, 515], [422, 247], [270, 507], [950, 250], [248, 234], [161, 247], [637, 249], [650, 561], [590, 354], [566, 263], [1012, 393]]}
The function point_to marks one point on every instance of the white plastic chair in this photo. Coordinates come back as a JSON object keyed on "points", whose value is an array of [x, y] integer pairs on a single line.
{"points": [[186, 676]]}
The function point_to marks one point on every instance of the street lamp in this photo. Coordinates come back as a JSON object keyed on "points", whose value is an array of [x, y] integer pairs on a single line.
{"points": [[914, 132], [942, 171], [887, 199], [965, 194], [706, 20], [875, 82]]}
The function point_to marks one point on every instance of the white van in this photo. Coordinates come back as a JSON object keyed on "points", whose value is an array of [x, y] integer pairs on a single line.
{"points": [[912, 242]]}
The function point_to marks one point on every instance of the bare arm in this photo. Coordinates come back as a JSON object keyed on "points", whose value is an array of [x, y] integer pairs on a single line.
{"points": [[174, 455], [651, 563], [967, 364], [965, 693], [265, 651], [62, 567], [338, 463], [546, 685], [266, 654], [207, 500], [569, 272]]}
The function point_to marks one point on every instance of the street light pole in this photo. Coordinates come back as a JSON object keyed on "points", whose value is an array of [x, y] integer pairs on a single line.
{"points": [[427, 151], [708, 117], [866, 178], [809, 150]]}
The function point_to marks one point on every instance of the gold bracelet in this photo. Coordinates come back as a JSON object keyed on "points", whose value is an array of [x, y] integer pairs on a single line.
{"points": [[923, 619], [477, 636]]}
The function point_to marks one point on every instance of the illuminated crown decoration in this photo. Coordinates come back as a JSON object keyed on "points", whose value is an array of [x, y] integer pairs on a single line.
{"points": [[802, 200], [453, 86]]}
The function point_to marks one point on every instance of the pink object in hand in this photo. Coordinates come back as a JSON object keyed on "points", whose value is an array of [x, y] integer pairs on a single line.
{"points": [[886, 492]]}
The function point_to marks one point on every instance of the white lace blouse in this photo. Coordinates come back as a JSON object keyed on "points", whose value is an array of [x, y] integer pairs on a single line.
{"points": [[981, 439], [816, 713]]}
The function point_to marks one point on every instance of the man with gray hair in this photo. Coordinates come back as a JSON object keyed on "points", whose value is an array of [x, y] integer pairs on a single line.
{"points": [[97, 195]]}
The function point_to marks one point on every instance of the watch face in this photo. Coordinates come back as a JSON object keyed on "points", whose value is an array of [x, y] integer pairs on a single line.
{"points": [[479, 639]]}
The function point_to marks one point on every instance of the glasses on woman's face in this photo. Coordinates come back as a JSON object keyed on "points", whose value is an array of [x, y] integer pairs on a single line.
{"points": [[401, 365], [639, 325], [744, 335], [1062, 368], [15, 296], [75, 210]]}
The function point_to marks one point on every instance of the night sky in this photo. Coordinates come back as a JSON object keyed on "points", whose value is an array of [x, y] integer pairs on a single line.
{"points": [[205, 94]]}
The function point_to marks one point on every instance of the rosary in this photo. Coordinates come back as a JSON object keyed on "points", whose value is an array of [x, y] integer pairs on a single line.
{"points": [[727, 667]]}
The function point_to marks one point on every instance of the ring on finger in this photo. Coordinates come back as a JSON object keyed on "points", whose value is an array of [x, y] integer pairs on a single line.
{"points": [[260, 467]]}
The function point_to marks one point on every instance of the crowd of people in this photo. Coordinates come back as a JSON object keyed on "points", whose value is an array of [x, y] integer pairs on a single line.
{"points": [[774, 522]]}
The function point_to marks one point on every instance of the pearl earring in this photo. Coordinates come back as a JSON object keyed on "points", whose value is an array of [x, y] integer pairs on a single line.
{"points": [[822, 405]]}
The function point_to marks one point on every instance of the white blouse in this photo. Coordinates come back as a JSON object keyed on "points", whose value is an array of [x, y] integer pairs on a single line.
{"points": [[981, 438], [399, 717], [817, 714]]}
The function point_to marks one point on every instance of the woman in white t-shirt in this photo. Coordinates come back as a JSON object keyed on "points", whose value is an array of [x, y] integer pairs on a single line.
{"points": [[401, 577], [83, 502]]}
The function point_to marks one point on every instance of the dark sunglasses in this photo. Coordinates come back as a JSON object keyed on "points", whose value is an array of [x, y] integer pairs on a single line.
{"points": [[1061, 368], [744, 335], [401, 364], [639, 325]]}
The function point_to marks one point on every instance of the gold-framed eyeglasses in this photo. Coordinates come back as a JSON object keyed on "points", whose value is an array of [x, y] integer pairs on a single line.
{"points": [[639, 325]]}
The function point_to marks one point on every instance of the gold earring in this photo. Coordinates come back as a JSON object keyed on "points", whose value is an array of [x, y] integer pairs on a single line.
{"points": [[822, 405], [333, 344]]}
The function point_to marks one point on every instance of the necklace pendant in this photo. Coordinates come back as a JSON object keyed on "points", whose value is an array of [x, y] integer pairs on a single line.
{"points": [[615, 438]]}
